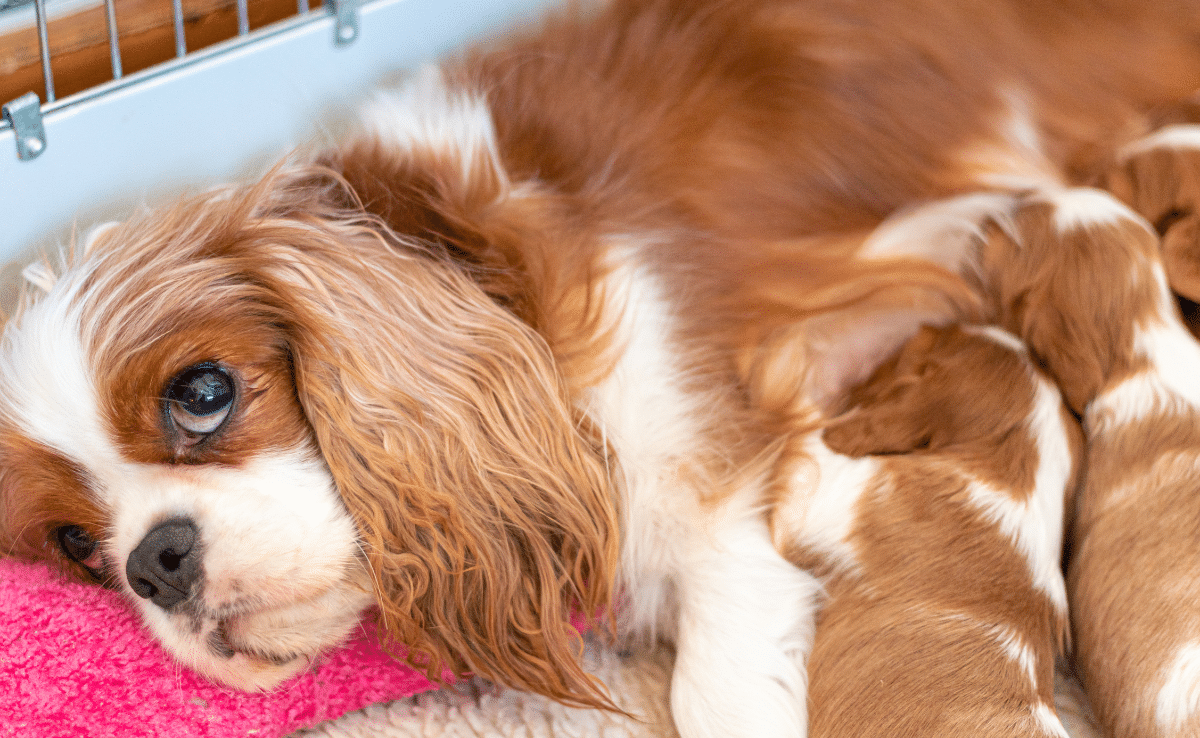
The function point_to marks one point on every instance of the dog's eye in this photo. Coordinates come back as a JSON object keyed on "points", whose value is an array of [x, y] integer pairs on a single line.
{"points": [[199, 398], [76, 543], [80, 548]]}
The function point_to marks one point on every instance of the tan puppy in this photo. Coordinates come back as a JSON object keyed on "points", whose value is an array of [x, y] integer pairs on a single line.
{"points": [[946, 605]]}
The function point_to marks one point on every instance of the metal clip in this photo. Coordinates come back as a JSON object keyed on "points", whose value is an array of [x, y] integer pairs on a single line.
{"points": [[345, 19], [25, 115]]}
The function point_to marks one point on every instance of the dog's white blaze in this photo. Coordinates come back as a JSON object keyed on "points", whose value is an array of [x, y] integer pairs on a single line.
{"points": [[1181, 136], [1036, 524], [1178, 698], [52, 393], [1078, 208], [744, 615]]}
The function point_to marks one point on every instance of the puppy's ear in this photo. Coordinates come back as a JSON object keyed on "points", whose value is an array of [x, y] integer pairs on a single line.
{"points": [[889, 412], [1160, 180], [481, 498], [1181, 256]]}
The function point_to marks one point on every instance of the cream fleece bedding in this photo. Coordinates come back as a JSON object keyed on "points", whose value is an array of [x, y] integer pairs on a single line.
{"points": [[639, 682]]}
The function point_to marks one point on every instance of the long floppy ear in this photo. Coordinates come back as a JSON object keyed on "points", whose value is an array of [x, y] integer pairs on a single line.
{"points": [[889, 412], [480, 496]]}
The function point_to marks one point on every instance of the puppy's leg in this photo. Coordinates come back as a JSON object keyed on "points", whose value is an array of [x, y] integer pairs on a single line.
{"points": [[745, 629]]}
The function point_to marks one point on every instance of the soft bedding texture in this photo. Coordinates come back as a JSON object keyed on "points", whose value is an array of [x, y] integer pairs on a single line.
{"points": [[74, 660], [639, 682]]}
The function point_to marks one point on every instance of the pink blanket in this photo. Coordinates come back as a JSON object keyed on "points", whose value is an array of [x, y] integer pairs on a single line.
{"points": [[75, 661]]}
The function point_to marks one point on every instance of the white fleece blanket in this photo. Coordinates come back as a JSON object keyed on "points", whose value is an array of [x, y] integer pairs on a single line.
{"points": [[638, 682]]}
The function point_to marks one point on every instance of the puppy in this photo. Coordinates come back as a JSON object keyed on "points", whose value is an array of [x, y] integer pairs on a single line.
{"points": [[933, 509], [531, 340], [1081, 277]]}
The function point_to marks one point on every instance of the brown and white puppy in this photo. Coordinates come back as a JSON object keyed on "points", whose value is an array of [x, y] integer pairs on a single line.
{"points": [[530, 340], [933, 510], [1080, 276]]}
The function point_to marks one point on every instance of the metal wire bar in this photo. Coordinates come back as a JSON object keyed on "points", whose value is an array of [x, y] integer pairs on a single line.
{"points": [[39, 7], [114, 38], [280, 28], [301, 7], [180, 40], [243, 12]]}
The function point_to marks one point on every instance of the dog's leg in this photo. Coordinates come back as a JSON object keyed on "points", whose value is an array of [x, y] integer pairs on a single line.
{"points": [[745, 629]]}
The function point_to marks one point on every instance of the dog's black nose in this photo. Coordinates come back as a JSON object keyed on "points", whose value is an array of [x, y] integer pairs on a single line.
{"points": [[166, 564]]}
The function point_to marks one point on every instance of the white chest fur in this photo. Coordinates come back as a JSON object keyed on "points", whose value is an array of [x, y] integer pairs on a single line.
{"points": [[697, 564]]}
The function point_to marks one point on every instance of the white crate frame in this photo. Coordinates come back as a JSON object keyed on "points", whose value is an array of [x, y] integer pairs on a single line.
{"points": [[226, 113]]}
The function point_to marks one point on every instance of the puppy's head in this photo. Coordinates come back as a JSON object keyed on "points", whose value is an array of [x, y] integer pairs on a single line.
{"points": [[947, 387], [262, 411]]}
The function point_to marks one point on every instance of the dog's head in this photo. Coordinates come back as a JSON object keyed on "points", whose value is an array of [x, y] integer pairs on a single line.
{"points": [[263, 410]]}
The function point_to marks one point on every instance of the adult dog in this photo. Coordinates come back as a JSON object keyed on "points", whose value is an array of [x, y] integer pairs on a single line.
{"points": [[540, 336]]}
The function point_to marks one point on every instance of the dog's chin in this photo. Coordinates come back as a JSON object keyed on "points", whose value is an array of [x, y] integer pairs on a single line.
{"points": [[250, 672], [259, 650]]}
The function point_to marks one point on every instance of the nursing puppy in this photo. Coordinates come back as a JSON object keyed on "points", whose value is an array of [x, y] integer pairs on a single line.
{"points": [[1080, 276], [530, 341], [934, 515]]}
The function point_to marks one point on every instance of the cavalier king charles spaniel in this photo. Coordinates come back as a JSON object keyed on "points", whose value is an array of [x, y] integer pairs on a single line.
{"points": [[545, 336]]}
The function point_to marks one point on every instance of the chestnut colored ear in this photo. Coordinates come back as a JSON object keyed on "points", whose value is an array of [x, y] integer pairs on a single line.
{"points": [[1161, 182], [481, 498], [889, 412], [928, 397], [1181, 257], [888, 428]]}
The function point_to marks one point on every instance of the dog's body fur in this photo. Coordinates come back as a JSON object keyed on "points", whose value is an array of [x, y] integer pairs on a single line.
{"points": [[544, 335]]}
